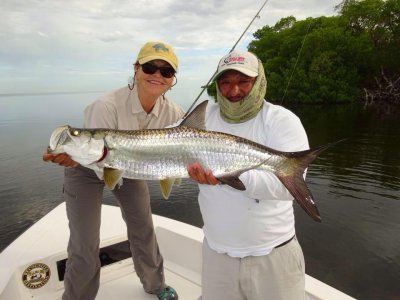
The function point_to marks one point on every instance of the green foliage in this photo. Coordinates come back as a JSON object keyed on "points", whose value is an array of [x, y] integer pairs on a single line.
{"points": [[330, 59], [212, 89], [380, 21]]}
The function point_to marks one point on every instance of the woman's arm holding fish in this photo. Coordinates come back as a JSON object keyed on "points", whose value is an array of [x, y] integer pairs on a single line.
{"points": [[62, 159]]}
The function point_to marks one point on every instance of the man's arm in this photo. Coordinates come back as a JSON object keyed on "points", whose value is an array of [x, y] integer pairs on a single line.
{"points": [[197, 173]]}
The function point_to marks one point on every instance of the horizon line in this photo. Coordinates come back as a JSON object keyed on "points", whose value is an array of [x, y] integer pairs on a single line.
{"points": [[46, 93]]}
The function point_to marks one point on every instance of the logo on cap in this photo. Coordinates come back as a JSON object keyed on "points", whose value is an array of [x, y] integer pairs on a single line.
{"points": [[160, 47], [234, 59]]}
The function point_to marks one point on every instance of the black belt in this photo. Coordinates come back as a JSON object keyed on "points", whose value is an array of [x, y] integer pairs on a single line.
{"points": [[285, 242]]}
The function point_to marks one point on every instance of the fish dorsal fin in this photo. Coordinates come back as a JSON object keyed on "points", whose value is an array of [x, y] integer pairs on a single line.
{"points": [[166, 186], [196, 119], [111, 177]]}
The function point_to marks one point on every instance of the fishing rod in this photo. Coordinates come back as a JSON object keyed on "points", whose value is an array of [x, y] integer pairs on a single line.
{"points": [[297, 60], [234, 46]]}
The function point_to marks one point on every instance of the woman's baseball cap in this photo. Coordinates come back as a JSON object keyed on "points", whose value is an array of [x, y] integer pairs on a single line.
{"points": [[158, 50]]}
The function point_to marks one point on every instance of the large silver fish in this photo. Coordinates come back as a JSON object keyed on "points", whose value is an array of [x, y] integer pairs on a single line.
{"points": [[164, 154]]}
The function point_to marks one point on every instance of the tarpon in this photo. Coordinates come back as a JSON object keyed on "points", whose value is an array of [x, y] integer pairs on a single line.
{"points": [[164, 154]]}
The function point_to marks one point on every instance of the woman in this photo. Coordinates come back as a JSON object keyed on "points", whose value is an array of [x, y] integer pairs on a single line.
{"points": [[140, 105]]}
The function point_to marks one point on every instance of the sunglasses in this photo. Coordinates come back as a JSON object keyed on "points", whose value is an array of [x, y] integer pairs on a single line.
{"points": [[150, 69]]}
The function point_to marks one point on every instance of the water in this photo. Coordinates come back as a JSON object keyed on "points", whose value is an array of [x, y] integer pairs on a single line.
{"points": [[355, 183]]}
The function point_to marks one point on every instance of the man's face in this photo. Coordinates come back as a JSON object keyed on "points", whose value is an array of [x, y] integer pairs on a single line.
{"points": [[234, 85]]}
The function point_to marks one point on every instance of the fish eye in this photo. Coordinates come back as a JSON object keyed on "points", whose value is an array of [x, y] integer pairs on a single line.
{"points": [[75, 132]]}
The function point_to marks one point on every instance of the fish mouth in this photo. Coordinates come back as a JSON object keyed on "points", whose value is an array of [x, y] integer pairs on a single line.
{"points": [[58, 137]]}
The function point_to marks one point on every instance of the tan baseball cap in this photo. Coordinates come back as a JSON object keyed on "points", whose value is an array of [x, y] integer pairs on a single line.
{"points": [[242, 61], [158, 50]]}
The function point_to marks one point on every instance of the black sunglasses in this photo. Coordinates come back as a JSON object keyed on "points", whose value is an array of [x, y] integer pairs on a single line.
{"points": [[150, 69]]}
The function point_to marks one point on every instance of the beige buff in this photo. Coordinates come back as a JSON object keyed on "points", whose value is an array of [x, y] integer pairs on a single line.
{"points": [[248, 107]]}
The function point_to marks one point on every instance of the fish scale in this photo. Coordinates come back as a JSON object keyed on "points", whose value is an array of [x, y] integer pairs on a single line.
{"points": [[158, 154]]}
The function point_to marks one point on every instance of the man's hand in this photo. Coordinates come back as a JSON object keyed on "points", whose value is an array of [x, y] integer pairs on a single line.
{"points": [[62, 159], [197, 173]]}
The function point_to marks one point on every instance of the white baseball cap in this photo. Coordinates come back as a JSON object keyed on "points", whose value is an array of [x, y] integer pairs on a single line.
{"points": [[242, 61]]}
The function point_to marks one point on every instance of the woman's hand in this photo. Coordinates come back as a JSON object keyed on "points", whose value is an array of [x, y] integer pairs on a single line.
{"points": [[197, 173], [62, 159]]}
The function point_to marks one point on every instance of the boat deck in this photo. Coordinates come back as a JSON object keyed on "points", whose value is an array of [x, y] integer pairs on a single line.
{"points": [[37, 258], [46, 243], [129, 287], [124, 284]]}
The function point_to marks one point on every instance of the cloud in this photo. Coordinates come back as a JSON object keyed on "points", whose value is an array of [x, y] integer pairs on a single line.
{"points": [[78, 45]]}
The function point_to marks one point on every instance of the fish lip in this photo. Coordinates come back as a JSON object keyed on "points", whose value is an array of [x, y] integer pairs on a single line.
{"points": [[58, 137]]}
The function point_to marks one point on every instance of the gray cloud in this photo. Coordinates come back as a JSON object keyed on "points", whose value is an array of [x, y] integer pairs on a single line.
{"points": [[99, 39]]}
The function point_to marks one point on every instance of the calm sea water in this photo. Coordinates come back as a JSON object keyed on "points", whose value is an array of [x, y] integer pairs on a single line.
{"points": [[356, 186]]}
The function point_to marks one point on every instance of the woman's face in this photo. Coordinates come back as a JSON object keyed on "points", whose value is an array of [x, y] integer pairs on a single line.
{"points": [[153, 84]]}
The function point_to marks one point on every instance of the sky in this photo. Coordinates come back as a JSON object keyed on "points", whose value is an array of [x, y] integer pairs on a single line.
{"points": [[79, 46]]}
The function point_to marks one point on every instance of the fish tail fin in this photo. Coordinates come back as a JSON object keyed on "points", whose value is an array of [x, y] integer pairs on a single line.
{"points": [[299, 190], [295, 183]]}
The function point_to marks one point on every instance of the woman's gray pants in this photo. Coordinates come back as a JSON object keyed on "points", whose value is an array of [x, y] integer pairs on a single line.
{"points": [[83, 194]]}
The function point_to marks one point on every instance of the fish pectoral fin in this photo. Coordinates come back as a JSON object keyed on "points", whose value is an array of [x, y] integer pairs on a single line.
{"points": [[232, 181], [166, 186], [111, 177]]}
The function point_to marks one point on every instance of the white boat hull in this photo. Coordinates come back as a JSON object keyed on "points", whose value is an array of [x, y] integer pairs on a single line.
{"points": [[28, 267]]}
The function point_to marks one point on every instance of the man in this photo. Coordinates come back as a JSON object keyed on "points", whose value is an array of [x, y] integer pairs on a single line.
{"points": [[139, 105], [250, 250]]}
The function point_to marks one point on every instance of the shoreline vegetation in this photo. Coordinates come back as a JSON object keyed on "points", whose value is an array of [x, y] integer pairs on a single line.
{"points": [[351, 57]]}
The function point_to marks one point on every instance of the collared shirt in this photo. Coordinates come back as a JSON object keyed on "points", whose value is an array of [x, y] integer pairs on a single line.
{"points": [[121, 109]]}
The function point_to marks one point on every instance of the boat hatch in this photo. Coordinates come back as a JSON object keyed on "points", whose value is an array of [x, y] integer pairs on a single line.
{"points": [[108, 255]]}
